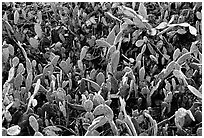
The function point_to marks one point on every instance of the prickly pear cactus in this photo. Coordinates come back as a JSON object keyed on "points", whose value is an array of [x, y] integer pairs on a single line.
{"points": [[88, 105], [34, 123], [100, 78]]}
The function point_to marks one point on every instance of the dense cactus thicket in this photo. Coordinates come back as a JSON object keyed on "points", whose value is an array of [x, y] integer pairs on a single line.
{"points": [[101, 68]]}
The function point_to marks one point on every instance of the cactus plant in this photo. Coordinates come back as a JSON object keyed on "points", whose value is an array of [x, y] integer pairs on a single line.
{"points": [[111, 69]]}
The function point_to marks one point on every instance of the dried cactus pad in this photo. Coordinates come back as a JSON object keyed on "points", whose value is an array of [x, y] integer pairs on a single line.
{"points": [[88, 105], [34, 63], [83, 52], [176, 54], [33, 123], [93, 74], [38, 134], [111, 36], [64, 66], [139, 43], [108, 112], [34, 42], [115, 60], [145, 90], [29, 81], [195, 91], [199, 131], [28, 65], [14, 130], [38, 30], [15, 61], [98, 99], [4, 131], [40, 67], [48, 68], [64, 83], [111, 50], [99, 110], [80, 64], [34, 102], [11, 50], [139, 57], [89, 115], [183, 58], [60, 94], [55, 60], [5, 54], [100, 78], [97, 122], [18, 81], [142, 73], [11, 74], [8, 116]]}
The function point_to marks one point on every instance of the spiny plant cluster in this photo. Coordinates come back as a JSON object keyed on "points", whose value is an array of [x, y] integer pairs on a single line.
{"points": [[97, 69]]}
